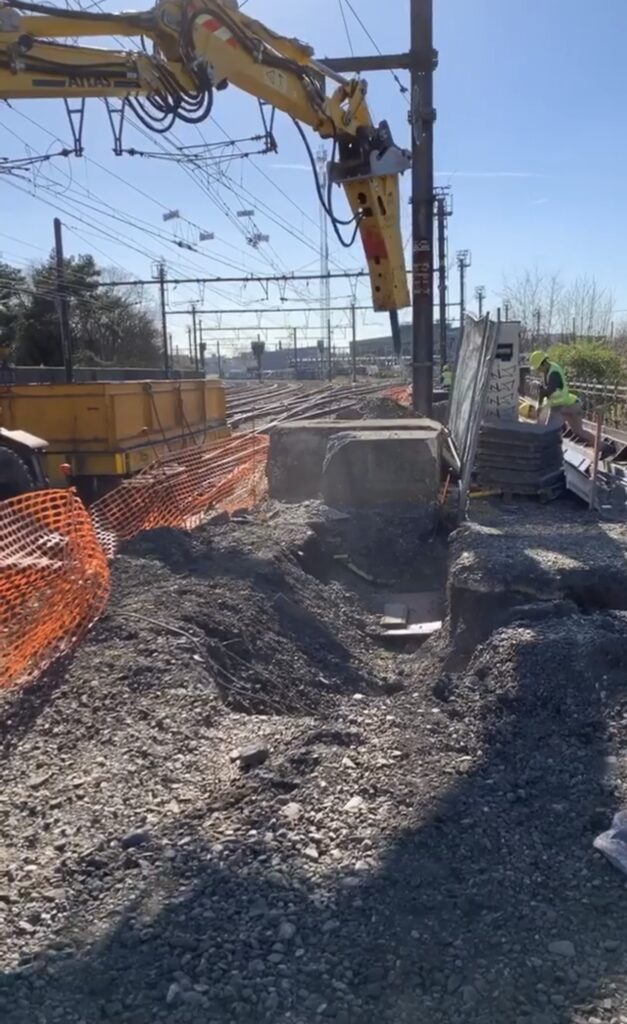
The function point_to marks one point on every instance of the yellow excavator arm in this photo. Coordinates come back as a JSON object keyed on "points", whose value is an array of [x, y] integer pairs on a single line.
{"points": [[199, 47]]}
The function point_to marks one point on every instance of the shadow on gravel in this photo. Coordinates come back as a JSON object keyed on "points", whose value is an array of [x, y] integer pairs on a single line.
{"points": [[490, 908]]}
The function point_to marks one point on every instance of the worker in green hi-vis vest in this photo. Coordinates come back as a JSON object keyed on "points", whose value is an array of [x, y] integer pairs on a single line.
{"points": [[561, 405], [447, 376]]}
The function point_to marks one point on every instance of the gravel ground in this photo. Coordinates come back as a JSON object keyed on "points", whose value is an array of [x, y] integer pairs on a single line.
{"points": [[416, 847]]}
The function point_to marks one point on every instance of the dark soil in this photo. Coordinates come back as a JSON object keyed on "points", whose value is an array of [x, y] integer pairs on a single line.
{"points": [[408, 853]]}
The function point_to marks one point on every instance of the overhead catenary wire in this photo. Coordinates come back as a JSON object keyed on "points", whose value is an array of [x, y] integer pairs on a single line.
{"points": [[346, 29], [143, 122], [402, 88], [231, 186], [130, 185], [130, 221]]}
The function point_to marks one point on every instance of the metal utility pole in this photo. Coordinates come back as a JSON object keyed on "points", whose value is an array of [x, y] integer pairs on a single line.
{"points": [[161, 278], [354, 342], [202, 348], [295, 337], [258, 348], [330, 348], [320, 344], [219, 357], [480, 296], [195, 337], [506, 310], [537, 319], [422, 116], [464, 260], [189, 344], [421, 61], [62, 303], [443, 210]]}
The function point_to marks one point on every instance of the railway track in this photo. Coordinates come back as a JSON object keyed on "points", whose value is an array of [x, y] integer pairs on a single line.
{"points": [[259, 406]]}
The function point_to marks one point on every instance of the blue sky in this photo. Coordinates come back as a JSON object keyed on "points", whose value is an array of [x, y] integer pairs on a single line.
{"points": [[530, 97]]}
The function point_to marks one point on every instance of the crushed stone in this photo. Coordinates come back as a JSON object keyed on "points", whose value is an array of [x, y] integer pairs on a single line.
{"points": [[424, 855]]}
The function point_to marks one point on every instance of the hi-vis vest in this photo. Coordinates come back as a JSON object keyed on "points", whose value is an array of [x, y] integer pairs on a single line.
{"points": [[562, 396], [447, 377]]}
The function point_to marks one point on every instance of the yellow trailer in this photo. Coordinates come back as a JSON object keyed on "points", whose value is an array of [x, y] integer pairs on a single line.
{"points": [[100, 432]]}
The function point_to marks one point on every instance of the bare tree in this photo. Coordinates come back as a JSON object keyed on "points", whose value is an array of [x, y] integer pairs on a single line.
{"points": [[535, 299], [550, 310], [586, 309]]}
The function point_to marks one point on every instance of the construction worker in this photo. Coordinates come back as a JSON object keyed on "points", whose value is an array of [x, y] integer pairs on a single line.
{"points": [[447, 376], [562, 406]]}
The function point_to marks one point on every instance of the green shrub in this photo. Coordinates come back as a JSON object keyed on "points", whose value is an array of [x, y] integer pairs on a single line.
{"points": [[592, 362]]}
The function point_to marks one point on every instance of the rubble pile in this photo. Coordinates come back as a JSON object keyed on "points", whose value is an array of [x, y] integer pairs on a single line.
{"points": [[236, 805]]}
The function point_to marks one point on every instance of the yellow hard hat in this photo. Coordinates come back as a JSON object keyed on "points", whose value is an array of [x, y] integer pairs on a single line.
{"points": [[536, 359]]}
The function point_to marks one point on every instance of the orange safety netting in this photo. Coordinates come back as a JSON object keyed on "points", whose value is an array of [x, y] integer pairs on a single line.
{"points": [[54, 575], [54, 580], [180, 488], [399, 394]]}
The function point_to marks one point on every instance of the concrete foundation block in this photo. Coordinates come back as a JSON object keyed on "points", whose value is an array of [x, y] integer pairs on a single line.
{"points": [[298, 450], [382, 467]]}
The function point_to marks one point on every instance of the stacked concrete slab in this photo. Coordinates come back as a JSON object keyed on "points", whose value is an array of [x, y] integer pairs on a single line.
{"points": [[356, 464], [521, 458]]}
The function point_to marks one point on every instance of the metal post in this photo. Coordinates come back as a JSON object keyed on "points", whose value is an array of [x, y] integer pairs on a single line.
{"points": [[62, 303], [354, 342], [480, 296], [422, 117], [295, 336], [441, 214], [195, 337], [202, 348], [189, 344], [464, 260], [219, 355], [537, 319], [329, 348], [164, 321], [595, 460], [506, 310], [321, 356]]}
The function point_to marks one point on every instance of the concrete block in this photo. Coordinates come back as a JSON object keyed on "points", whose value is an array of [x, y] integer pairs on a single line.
{"points": [[382, 467], [298, 450]]}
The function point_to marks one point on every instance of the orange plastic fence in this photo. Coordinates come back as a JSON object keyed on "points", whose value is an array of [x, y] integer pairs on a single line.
{"points": [[400, 395], [54, 575], [179, 489], [54, 581]]}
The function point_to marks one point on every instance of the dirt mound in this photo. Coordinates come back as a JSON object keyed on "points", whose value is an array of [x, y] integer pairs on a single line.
{"points": [[517, 556], [268, 633], [556, 674], [381, 408]]}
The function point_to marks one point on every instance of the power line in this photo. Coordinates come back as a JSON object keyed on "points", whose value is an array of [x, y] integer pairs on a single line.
{"points": [[162, 236], [348, 35], [256, 278], [402, 88]]}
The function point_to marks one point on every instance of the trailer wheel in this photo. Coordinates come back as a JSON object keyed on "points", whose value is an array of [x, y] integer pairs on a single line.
{"points": [[14, 475]]}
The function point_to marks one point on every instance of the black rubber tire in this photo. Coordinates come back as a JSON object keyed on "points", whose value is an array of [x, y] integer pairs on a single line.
{"points": [[14, 476]]}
